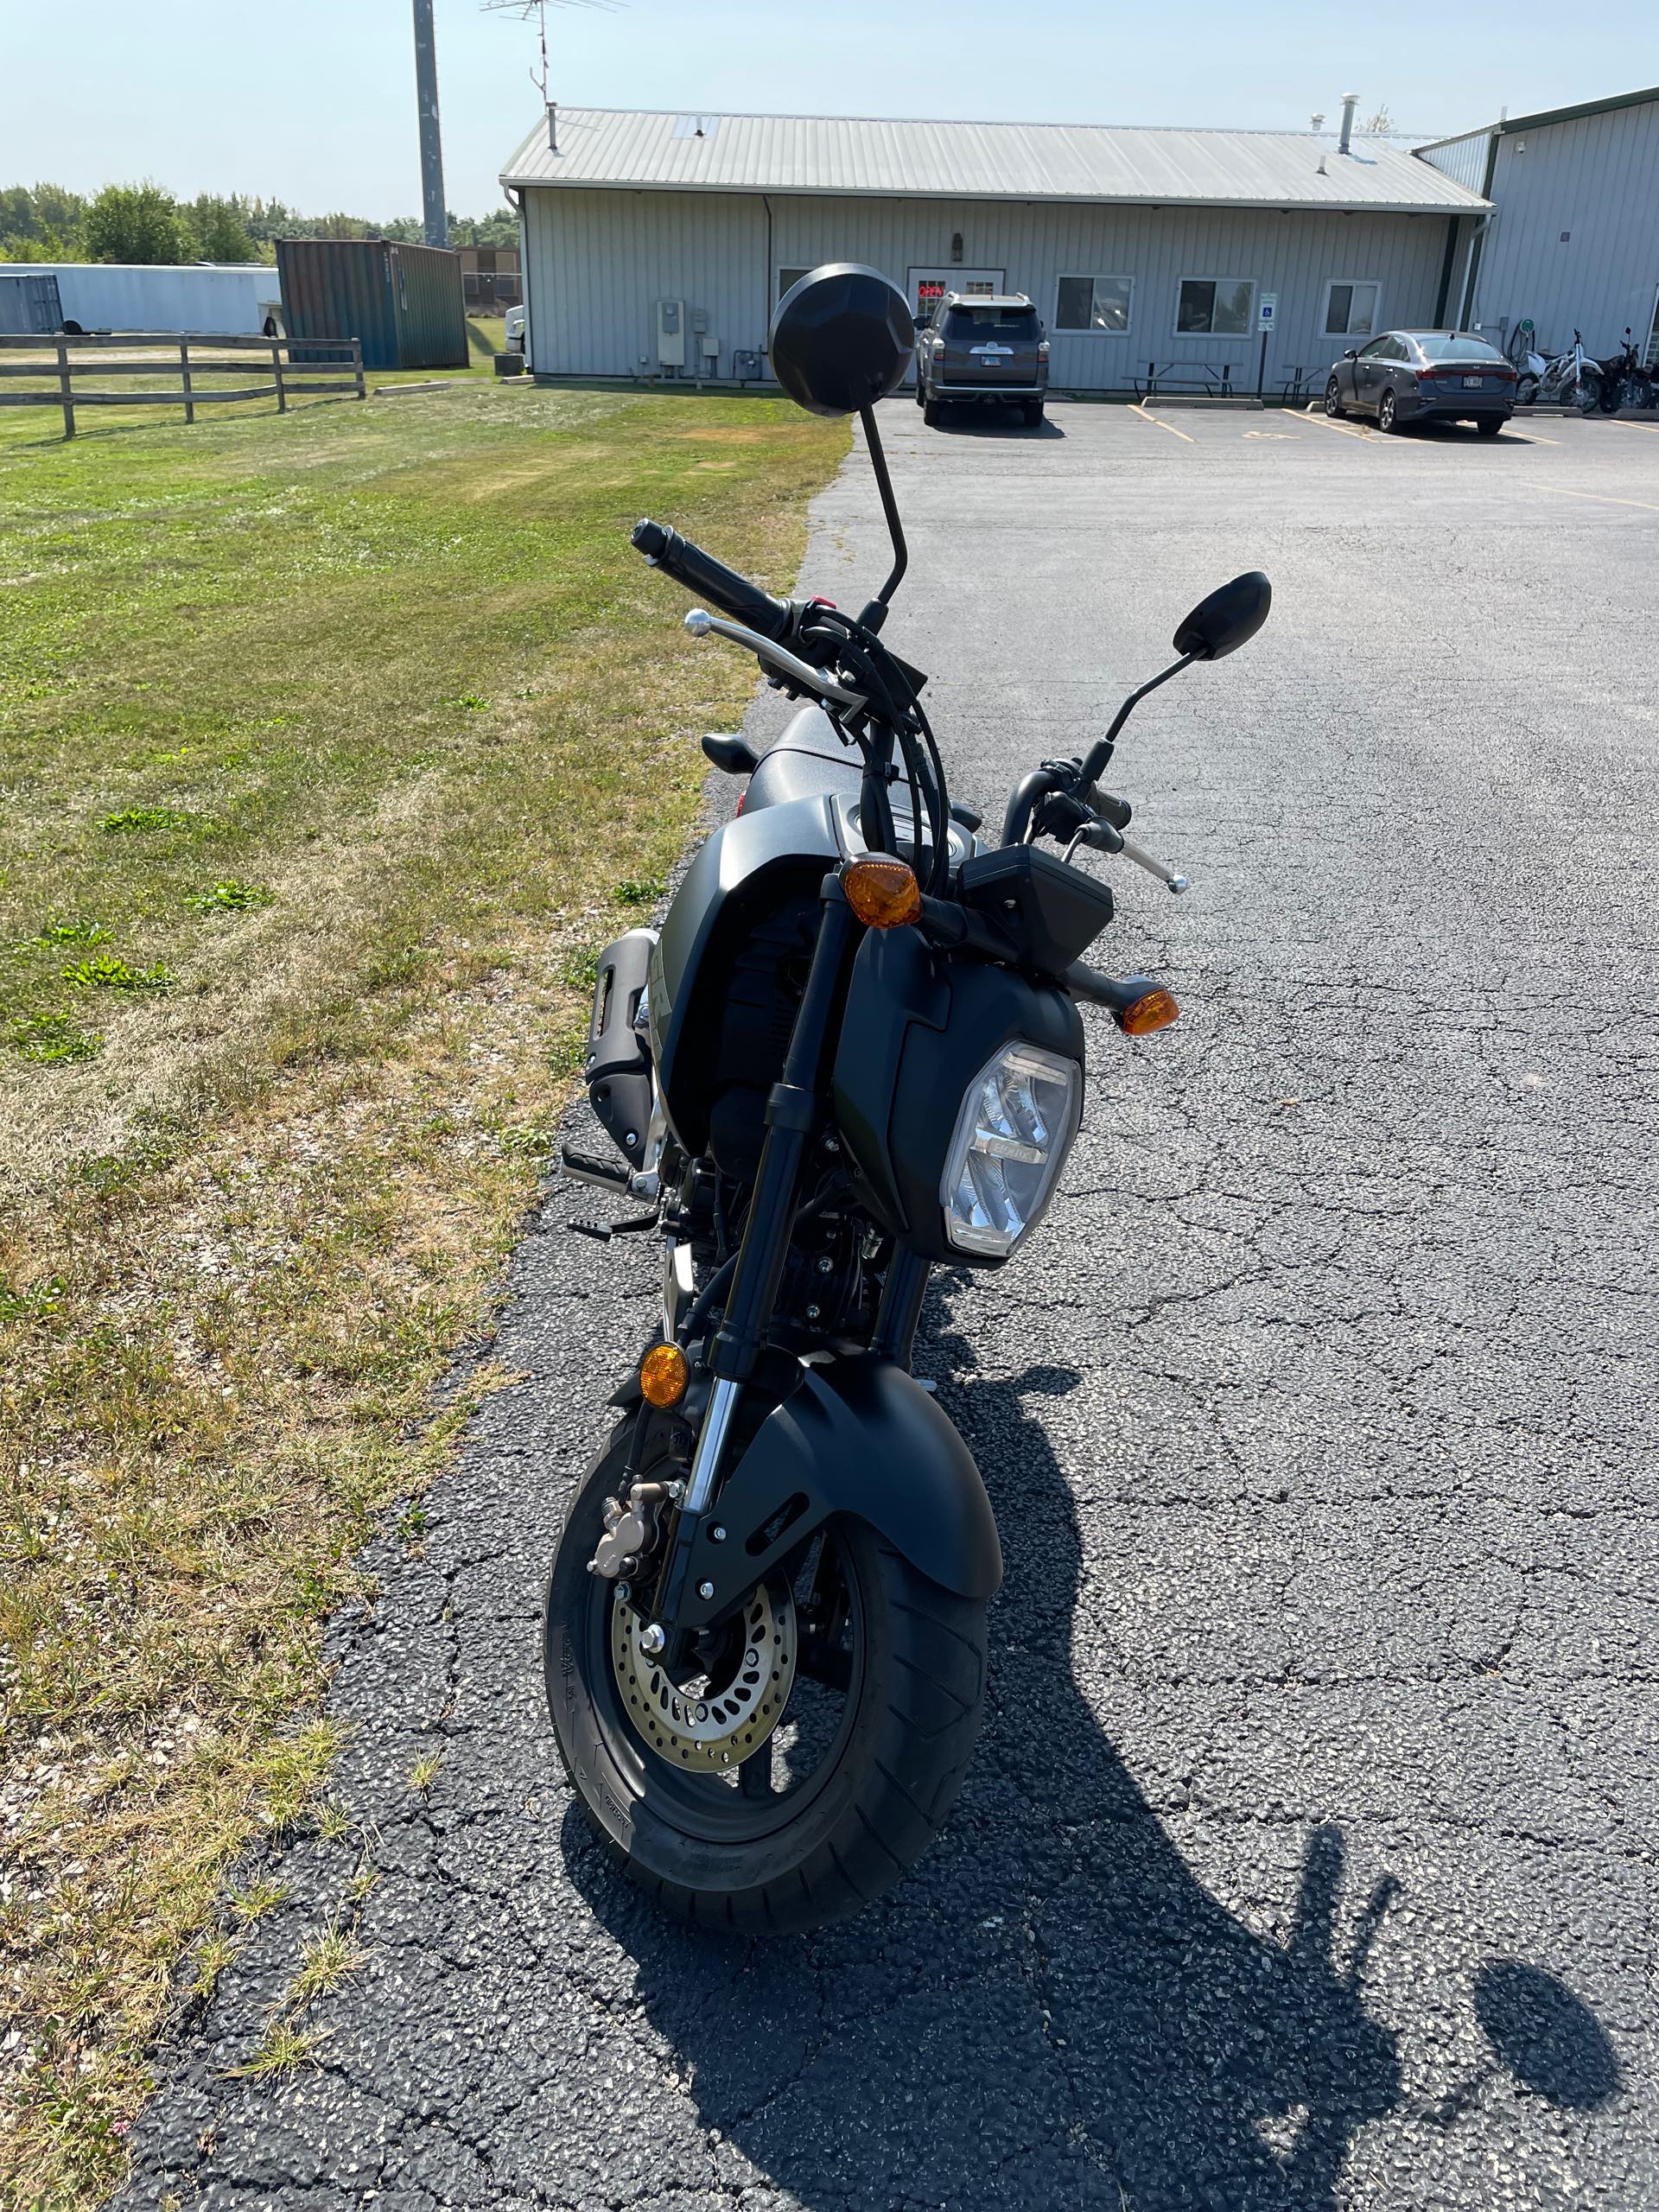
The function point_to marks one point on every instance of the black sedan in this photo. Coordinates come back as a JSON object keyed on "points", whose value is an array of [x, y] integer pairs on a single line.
{"points": [[1417, 375]]}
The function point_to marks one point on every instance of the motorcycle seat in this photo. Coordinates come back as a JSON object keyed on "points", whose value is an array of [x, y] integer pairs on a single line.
{"points": [[806, 760]]}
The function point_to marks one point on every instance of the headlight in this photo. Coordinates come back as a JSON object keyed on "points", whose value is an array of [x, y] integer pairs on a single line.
{"points": [[1011, 1139]]}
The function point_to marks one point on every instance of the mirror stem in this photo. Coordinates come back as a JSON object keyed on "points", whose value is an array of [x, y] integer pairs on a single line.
{"points": [[876, 612], [1101, 752]]}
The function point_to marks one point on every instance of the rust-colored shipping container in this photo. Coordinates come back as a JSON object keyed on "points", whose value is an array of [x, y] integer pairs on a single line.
{"points": [[403, 302]]}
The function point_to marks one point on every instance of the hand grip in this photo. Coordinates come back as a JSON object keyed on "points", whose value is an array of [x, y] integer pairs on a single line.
{"points": [[709, 579]]}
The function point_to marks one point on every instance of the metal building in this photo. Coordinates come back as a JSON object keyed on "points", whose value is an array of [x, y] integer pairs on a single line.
{"points": [[658, 243], [1574, 242]]}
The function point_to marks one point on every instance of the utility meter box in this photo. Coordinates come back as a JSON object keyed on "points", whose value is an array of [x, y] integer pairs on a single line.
{"points": [[709, 345], [670, 333]]}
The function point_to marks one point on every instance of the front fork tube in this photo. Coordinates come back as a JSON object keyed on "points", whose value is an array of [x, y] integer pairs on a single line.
{"points": [[794, 1113]]}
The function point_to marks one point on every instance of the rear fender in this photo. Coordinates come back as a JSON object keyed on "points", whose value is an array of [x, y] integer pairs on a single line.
{"points": [[857, 1436]]}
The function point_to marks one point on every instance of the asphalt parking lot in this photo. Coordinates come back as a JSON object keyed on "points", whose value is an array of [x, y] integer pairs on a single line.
{"points": [[1308, 1858]]}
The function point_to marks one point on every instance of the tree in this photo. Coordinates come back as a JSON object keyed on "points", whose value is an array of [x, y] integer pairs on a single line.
{"points": [[1381, 124], [135, 222], [221, 229]]}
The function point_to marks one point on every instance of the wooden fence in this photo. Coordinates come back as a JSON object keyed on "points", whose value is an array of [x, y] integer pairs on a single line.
{"points": [[60, 361]]}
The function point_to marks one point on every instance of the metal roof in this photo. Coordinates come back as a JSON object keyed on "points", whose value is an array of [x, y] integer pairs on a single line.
{"points": [[1509, 124], [820, 153]]}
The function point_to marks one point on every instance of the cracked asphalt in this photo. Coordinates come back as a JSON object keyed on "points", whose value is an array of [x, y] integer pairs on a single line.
{"points": [[1308, 1857]]}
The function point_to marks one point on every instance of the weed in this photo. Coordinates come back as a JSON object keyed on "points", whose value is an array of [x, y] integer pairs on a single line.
{"points": [[326, 1961], [363, 1881], [581, 972], [411, 1521], [74, 933], [109, 972], [151, 817], [213, 1953], [35, 1304], [333, 1819], [52, 1040], [645, 892], [282, 2050], [227, 898], [425, 1772], [472, 702], [256, 1899]]}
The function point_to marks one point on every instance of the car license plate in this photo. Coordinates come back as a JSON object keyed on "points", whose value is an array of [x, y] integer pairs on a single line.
{"points": [[1474, 383]]}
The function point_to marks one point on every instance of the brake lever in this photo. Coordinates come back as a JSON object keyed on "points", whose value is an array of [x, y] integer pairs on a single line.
{"points": [[702, 624], [1101, 838], [1141, 858]]}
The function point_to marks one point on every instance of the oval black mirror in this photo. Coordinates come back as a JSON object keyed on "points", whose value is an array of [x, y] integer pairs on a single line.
{"points": [[1230, 618], [842, 338]]}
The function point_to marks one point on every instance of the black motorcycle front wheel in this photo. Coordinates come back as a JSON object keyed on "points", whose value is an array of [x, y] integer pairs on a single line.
{"points": [[805, 1755]]}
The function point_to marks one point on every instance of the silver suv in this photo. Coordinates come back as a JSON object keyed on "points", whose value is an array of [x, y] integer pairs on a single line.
{"points": [[990, 349]]}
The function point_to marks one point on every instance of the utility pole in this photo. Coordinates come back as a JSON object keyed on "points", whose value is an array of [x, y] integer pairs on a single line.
{"points": [[426, 98]]}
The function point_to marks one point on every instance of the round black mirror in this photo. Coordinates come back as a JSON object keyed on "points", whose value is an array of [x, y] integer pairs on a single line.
{"points": [[842, 338], [1230, 618]]}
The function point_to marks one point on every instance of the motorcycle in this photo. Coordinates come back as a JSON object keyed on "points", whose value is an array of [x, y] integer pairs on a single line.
{"points": [[851, 1054], [1572, 379], [1625, 379]]}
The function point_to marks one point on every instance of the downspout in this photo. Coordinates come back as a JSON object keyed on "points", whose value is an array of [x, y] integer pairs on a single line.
{"points": [[1479, 239], [765, 292], [516, 201], [1446, 262]]}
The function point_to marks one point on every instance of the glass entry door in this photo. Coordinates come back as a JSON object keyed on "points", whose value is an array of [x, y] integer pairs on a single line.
{"points": [[927, 287]]}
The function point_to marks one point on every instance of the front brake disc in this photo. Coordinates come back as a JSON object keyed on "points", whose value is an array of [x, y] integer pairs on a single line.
{"points": [[710, 1724]]}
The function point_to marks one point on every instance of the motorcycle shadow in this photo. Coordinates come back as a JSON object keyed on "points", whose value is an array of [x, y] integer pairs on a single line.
{"points": [[1052, 2010]]}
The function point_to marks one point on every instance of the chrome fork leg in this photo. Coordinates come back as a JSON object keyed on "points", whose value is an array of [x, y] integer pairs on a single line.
{"points": [[711, 1443]]}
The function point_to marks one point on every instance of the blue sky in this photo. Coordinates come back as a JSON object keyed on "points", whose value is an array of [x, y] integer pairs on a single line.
{"points": [[313, 100]]}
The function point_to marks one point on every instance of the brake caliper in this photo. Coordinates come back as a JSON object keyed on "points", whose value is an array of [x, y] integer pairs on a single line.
{"points": [[631, 1530]]}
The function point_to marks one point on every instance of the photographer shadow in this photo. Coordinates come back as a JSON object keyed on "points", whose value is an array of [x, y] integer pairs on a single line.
{"points": [[1050, 2009]]}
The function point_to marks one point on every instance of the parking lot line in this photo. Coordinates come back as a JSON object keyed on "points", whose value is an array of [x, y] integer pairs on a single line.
{"points": [[1135, 407], [1327, 422], [1651, 429], [1607, 498], [1531, 438]]}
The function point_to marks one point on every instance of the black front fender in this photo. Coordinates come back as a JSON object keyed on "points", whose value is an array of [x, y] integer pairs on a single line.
{"points": [[857, 1436]]}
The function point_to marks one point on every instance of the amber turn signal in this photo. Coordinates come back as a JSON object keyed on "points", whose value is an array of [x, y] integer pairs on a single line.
{"points": [[883, 893], [664, 1375], [1155, 1011]]}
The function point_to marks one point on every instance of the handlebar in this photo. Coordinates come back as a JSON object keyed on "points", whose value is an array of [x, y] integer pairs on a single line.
{"points": [[707, 578]]}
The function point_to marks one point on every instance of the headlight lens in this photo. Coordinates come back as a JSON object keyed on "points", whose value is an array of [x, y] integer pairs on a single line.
{"points": [[1011, 1139]]}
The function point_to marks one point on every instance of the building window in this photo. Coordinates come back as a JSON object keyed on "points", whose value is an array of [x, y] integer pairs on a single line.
{"points": [[1094, 303], [1221, 307], [1651, 351], [787, 278], [1350, 309]]}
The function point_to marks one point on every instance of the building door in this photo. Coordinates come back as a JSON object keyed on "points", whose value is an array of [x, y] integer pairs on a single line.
{"points": [[928, 286]]}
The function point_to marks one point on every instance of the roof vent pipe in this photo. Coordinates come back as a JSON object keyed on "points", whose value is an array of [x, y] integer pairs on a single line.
{"points": [[1349, 102]]}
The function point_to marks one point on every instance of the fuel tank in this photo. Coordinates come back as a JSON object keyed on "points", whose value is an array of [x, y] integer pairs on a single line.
{"points": [[729, 967], [731, 960]]}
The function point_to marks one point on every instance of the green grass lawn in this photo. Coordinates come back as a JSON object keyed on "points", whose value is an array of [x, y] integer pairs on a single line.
{"points": [[333, 745]]}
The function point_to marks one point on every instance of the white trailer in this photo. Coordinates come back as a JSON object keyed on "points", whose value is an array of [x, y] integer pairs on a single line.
{"points": [[220, 299]]}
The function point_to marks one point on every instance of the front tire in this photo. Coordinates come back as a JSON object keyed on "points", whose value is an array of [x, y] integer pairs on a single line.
{"points": [[857, 1775], [1333, 405]]}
